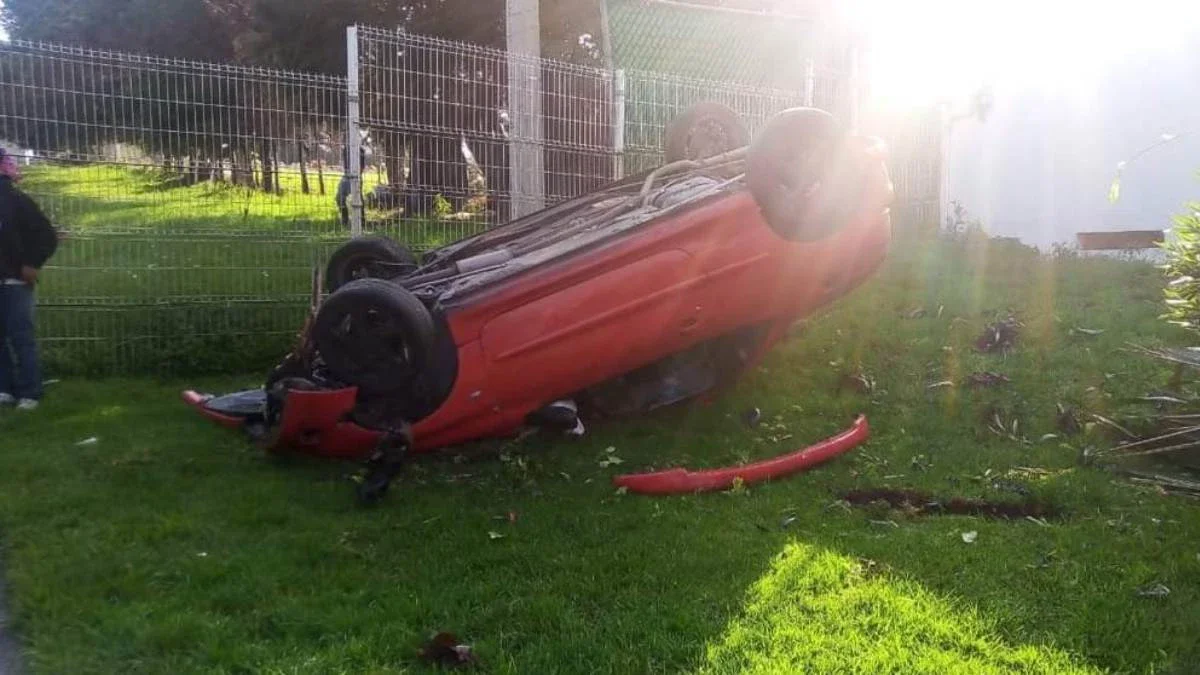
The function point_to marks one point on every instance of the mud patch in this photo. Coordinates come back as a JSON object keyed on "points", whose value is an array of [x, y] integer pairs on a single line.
{"points": [[922, 504]]}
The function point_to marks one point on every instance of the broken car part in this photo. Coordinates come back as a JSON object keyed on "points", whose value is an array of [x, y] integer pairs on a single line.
{"points": [[682, 481]]}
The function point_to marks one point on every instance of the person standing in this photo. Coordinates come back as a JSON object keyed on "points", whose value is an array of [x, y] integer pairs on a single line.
{"points": [[27, 241]]}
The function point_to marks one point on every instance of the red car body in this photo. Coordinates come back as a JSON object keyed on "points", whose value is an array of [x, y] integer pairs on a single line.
{"points": [[591, 312]]}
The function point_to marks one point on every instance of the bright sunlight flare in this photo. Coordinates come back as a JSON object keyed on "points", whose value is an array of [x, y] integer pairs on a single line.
{"points": [[928, 49]]}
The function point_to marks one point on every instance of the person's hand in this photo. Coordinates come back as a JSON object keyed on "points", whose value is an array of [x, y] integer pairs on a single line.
{"points": [[29, 275]]}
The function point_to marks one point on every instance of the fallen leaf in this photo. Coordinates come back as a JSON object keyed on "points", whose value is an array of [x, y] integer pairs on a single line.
{"points": [[444, 649], [987, 379], [970, 537], [1153, 591]]}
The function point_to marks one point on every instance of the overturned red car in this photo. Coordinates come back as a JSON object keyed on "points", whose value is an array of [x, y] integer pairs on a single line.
{"points": [[653, 290]]}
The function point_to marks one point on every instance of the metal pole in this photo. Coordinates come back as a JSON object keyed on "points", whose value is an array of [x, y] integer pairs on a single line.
{"points": [[944, 165], [353, 136], [619, 124], [855, 83], [526, 164]]}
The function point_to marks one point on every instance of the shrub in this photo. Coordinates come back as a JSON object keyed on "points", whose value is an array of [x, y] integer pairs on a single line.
{"points": [[1183, 269]]}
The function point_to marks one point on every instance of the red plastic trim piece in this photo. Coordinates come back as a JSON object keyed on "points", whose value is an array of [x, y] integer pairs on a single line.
{"points": [[197, 401], [682, 481]]}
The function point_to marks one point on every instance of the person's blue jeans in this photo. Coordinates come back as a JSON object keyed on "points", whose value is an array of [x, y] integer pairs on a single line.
{"points": [[20, 368]]}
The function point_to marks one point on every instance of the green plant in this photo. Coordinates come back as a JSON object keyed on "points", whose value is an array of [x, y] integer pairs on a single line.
{"points": [[1183, 269], [442, 206]]}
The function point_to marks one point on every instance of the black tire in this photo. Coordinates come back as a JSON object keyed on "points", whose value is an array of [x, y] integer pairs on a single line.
{"points": [[800, 175], [704, 130], [360, 258], [374, 335]]}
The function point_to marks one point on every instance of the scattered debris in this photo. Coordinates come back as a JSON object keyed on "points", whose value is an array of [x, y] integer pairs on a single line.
{"points": [[752, 417], [1092, 332], [1148, 446], [970, 537], [1002, 424], [787, 522], [939, 385], [88, 441], [917, 313], [610, 458], [682, 481], [1153, 591], [919, 503], [1068, 420], [444, 649], [1010, 486], [493, 535], [1184, 356], [1107, 422], [999, 337], [1169, 484], [1162, 399], [858, 382], [987, 379]]}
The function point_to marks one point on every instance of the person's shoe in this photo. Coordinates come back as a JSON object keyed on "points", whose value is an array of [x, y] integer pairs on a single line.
{"points": [[7, 400], [27, 404]]}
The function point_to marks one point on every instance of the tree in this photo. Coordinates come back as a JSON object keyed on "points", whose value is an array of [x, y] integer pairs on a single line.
{"points": [[453, 90]]}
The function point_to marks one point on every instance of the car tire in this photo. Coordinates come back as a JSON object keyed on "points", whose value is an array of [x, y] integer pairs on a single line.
{"points": [[359, 258], [799, 175], [704, 130], [374, 335]]}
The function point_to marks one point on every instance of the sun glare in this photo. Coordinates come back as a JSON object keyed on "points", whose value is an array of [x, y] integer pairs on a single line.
{"points": [[928, 49]]}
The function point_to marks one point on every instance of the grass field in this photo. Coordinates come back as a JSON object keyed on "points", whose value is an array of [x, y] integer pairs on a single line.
{"points": [[170, 546], [155, 279]]}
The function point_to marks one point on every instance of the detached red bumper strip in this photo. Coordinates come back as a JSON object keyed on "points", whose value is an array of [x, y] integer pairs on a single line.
{"points": [[682, 481], [197, 401]]}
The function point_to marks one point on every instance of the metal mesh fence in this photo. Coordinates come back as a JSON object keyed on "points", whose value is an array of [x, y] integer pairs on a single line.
{"points": [[450, 123], [195, 198], [190, 195]]}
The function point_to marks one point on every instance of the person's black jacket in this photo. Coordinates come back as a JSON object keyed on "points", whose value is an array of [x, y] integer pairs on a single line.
{"points": [[27, 239]]}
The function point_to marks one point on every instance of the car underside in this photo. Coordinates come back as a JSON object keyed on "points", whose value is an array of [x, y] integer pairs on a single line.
{"points": [[651, 291]]}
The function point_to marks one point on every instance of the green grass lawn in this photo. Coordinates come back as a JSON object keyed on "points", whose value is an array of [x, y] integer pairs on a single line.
{"points": [[170, 546], [154, 279]]}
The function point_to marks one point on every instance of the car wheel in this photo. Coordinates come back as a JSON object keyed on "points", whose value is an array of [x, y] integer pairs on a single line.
{"points": [[798, 172], [374, 335], [364, 258], [704, 130]]}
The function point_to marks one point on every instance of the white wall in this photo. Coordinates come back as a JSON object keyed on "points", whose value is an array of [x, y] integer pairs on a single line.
{"points": [[1040, 168]]}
